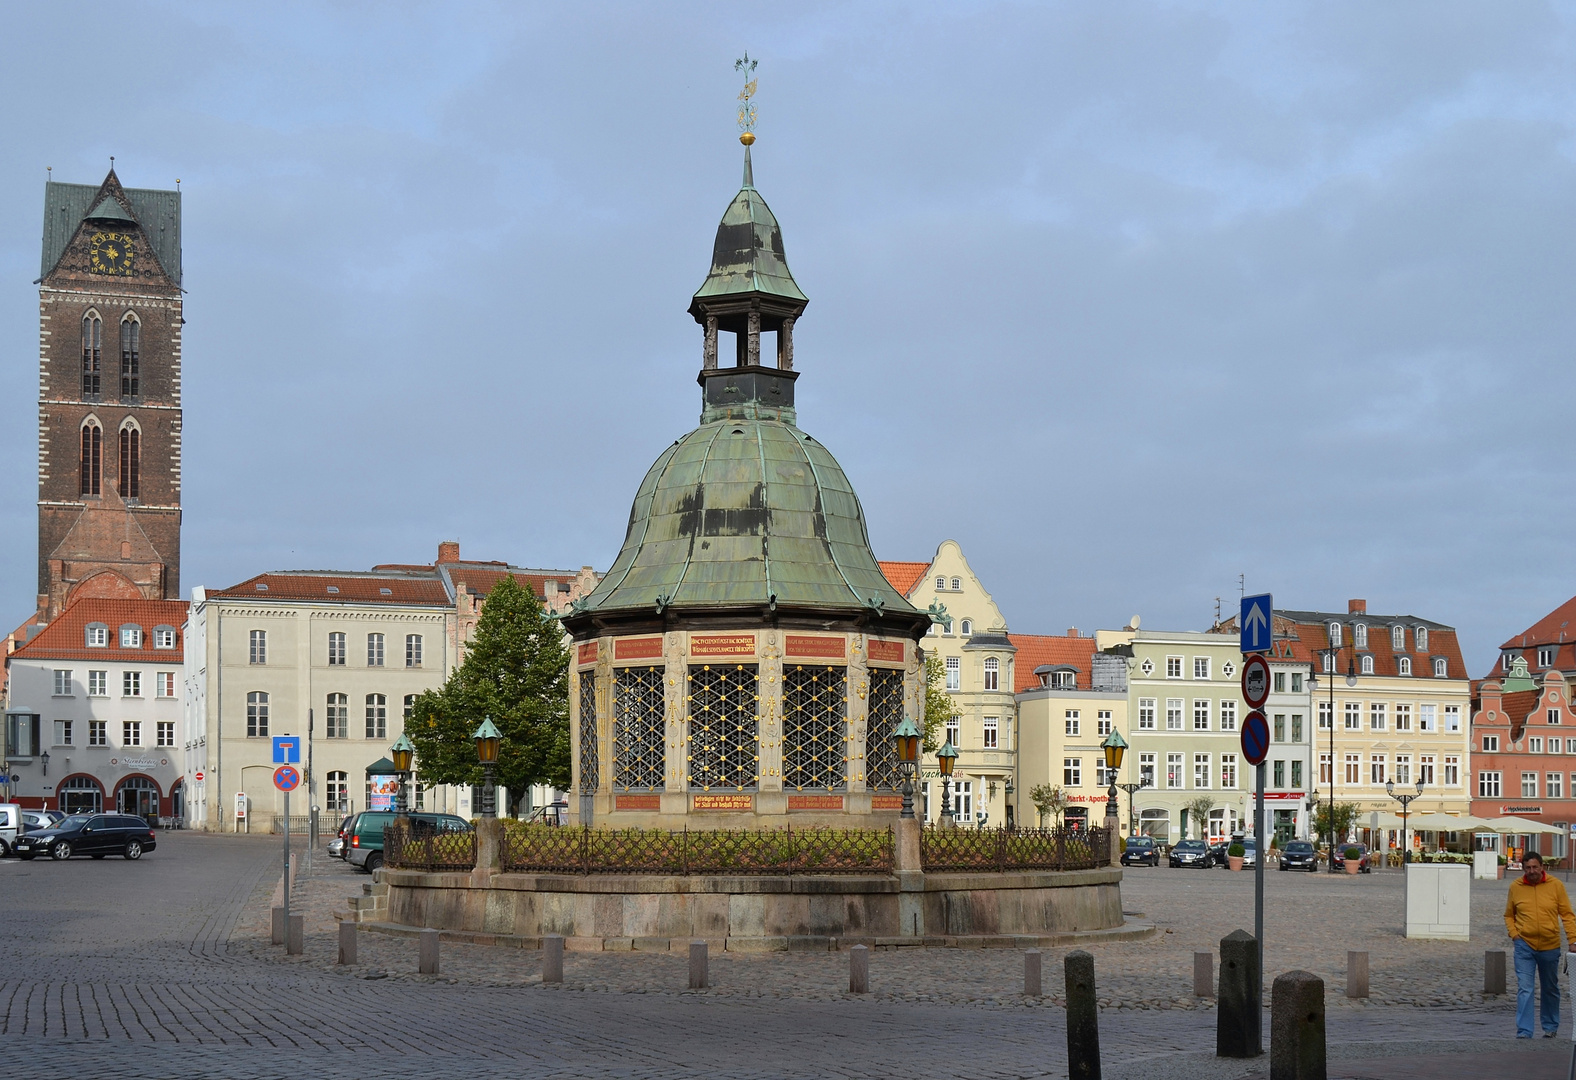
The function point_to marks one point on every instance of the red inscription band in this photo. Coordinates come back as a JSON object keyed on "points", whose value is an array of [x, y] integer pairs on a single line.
{"points": [[889, 652], [727, 645], [725, 802], [647, 648], [588, 653], [637, 802], [815, 802], [886, 802], [825, 648]]}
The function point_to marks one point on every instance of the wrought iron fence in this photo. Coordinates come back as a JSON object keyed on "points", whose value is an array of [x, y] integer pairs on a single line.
{"points": [[1014, 849], [545, 849], [434, 852]]}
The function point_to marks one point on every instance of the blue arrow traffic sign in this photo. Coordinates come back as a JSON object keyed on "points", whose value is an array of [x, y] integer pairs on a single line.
{"points": [[1257, 622], [1255, 737], [287, 749]]}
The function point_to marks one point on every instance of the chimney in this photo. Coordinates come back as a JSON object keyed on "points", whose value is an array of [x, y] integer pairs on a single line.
{"points": [[1356, 607], [1072, 631], [448, 551]]}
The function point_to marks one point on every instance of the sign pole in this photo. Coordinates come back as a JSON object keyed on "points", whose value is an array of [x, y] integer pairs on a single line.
{"points": [[1256, 636], [1259, 860], [287, 855]]}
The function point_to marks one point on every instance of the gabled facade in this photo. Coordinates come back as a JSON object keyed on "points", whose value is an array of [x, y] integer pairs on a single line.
{"points": [[1547, 645], [1524, 754]]}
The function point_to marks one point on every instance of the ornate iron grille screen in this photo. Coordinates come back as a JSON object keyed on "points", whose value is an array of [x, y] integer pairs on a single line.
{"points": [[425, 849], [1014, 849], [723, 726], [886, 713], [815, 727], [590, 761], [639, 729], [542, 849]]}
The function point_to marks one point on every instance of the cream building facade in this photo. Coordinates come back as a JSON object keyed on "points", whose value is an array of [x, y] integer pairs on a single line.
{"points": [[1070, 698]]}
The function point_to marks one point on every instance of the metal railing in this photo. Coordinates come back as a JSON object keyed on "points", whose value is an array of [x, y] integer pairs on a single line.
{"points": [[546, 849], [1014, 849], [433, 852]]}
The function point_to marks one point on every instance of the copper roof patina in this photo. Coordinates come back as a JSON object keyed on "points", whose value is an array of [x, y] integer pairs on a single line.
{"points": [[748, 255]]}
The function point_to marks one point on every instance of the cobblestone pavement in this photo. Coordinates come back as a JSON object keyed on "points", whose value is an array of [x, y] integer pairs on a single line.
{"points": [[162, 968]]}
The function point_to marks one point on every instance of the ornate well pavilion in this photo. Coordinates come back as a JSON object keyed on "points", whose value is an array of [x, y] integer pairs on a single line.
{"points": [[744, 661]]}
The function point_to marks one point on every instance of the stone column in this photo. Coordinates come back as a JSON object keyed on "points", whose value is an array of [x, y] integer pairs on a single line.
{"points": [[604, 724], [709, 351], [770, 731], [785, 345], [752, 355], [676, 690], [858, 714]]}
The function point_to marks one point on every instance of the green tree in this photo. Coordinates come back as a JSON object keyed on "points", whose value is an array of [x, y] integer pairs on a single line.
{"points": [[1048, 800], [1198, 809], [1345, 816], [515, 671], [938, 703]]}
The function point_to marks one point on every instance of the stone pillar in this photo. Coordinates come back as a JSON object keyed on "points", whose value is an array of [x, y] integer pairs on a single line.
{"points": [[347, 943], [752, 354], [295, 935], [709, 351], [1031, 973], [1238, 1019], [1297, 1027], [553, 958], [1083, 1018], [769, 734], [1494, 971], [859, 969], [1356, 974], [489, 853], [675, 681], [785, 345], [698, 974], [427, 952], [858, 714], [604, 723], [1203, 974]]}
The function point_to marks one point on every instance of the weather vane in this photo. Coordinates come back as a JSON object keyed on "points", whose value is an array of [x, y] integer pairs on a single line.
{"points": [[746, 99]]}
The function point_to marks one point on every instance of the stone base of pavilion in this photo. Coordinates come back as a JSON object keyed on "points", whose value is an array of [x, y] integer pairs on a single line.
{"points": [[762, 913]]}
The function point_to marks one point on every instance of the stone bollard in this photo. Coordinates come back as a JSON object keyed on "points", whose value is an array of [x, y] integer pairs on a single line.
{"points": [[277, 934], [347, 943], [553, 958], [698, 980], [428, 954], [1238, 1009], [1203, 974], [859, 970], [1297, 1027], [1083, 1018], [1494, 971], [1031, 973], [1356, 974], [295, 935]]}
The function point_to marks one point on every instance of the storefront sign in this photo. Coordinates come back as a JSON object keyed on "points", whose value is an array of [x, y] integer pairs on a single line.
{"points": [[826, 648], [637, 802], [725, 802], [139, 762], [1507, 810], [888, 652], [587, 654], [723, 645], [886, 802], [647, 648], [817, 802]]}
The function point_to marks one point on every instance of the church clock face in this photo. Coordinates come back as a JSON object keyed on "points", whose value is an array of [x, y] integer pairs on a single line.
{"points": [[110, 253]]}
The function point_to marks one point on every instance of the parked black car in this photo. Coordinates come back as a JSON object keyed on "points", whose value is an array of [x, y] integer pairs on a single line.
{"points": [[96, 835], [1194, 853], [1141, 851], [1299, 855], [1218, 851]]}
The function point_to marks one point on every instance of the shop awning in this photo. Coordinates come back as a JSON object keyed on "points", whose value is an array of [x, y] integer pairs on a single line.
{"points": [[1519, 825]]}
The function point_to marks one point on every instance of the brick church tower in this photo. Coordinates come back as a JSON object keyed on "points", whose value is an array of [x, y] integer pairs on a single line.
{"points": [[109, 395]]}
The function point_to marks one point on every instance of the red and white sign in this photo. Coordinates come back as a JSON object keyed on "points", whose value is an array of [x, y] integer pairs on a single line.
{"points": [[198, 777], [1255, 680]]}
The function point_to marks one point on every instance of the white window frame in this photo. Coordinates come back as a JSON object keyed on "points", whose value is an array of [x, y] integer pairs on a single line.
{"points": [[164, 638], [1071, 723], [257, 647], [374, 650], [1425, 769], [336, 648], [1403, 665], [1201, 668], [1228, 772], [1228, 715], [1173, 667], [98, 683], [1176, 772], [1102, 722], [1403, 716], [164, 684], [165, 733], [1201, 772], [1146, 769], [990, 728], [1426, 716], [1452, 718], [1174, 711], [63, 682], [1440, 667], [98, 732], [1403, 769], [1366, 665], [97, 636], [1072, 772], [1554, 784], [131, 685], [1529, 785], [413, 650], [131, 733], [63, 733], [1360, 636], [1326, 715], [1491, 744], [992, 673], [131, 637], [1420, 638], [1335, 635], [1451, 771], [1376, 716], [1146, 714], [1398, 638], [954, 667], [1201, 716]]}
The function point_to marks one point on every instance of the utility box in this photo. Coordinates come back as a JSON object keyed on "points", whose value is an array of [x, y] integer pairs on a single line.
{"points": [[1485, 865], [1439, 901]]}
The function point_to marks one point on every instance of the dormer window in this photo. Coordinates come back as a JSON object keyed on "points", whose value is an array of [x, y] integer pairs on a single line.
{"points": [[1546, 656], [1403, 666], [1439, 667], [333, 589], [1360, 635], [1398, 638], [97, 636], [1335, 635], [1420, 635], [131, 637], [1368, 665], [262, 586], [385, 591], [164, 637]]}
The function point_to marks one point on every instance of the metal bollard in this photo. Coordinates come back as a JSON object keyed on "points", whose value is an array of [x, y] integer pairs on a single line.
{"points": [[1494, 971], [1297, 1045], [428, 955], [277, 935], [1203, 974], [553, 958], [347, 943], [295, 935], [859, 970], [1083, 1018], [1356, 974], [1031, 973], [1238, 1009], [698, 980]]}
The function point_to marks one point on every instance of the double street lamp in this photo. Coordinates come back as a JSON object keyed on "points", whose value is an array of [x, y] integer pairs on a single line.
{"points": [[1405, 800], [1330, 656]]}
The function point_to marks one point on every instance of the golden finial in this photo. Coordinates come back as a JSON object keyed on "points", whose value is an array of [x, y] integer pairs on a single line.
{"points": [[746, 99]]}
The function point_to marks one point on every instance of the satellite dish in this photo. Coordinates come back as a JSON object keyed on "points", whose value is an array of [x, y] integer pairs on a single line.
{"points": [[1132, 624]]}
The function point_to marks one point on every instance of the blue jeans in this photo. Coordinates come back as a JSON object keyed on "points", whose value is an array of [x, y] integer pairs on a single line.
{"points": [[1543, 964]]}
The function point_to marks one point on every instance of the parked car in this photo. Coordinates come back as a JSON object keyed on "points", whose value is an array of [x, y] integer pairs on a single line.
{"points": [[1299, 855], [1218, 851], [12, 825], [1339, 855], [555, 813], [336, 846], [1193, 853], [96, 835], [1141, 851], [1250, 851], [365, 836]]}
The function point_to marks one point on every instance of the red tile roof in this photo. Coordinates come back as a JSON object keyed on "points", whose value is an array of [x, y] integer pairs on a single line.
{"points": [[66, 637], [1037, 650], [482, 579], [1307, 633], [350, 588], [904, 575], [1551, 629]]}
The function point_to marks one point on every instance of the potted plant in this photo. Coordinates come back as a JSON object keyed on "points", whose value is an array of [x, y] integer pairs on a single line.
{"points": [[1234, 856], [1354, 857]]}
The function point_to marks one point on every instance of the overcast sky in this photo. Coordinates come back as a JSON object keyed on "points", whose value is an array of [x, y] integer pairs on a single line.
{"points": [[1129, 299]]}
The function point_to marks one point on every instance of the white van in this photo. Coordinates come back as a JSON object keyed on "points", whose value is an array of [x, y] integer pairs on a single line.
{"points": [[11, 827]]}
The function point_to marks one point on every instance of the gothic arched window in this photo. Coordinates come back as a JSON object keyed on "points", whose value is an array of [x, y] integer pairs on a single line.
{"points": [[92, 353], [130, 460], [130, 347], [92, 457]]}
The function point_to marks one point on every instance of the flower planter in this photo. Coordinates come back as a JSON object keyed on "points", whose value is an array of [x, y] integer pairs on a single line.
{"points": [[1234, 861], [1354, 866]]}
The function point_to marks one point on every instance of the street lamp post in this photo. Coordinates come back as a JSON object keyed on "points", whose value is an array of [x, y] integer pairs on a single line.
{"points": [[402, 750], [1130, 787], [1405, 800], [946, 758], [906, 738], [487, 739], [1330, 656], [1312, 807], [1114, 746], [1012, 810]]}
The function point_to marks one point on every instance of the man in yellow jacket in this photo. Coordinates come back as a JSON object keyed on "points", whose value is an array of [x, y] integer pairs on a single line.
{"points": [[1533, 912]]}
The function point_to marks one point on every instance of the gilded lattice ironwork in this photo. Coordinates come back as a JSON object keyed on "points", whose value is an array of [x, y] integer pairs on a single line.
{"points": [[429, 850], [639, 729], [815, 727], [590, 760], [1014, 849], [544, 849], [882, 772], [723, 726]]}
